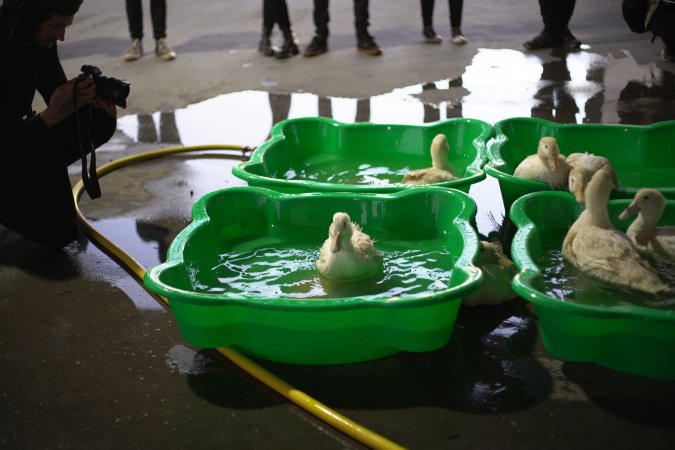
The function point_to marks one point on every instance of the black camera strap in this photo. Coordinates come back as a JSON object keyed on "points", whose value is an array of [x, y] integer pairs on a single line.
{"points": [[89, 175]]}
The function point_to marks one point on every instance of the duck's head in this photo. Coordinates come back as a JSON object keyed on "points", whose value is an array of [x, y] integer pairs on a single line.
{"points": [[549, 152], [576, 182], [649, 202], [439, 150], [492, 253], [340, 229]]}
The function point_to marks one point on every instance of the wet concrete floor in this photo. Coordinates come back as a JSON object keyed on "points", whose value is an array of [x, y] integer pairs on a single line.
{"points": [[88, 359]]}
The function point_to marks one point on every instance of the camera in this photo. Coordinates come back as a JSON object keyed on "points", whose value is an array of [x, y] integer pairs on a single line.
{"points": [[108, 88]]}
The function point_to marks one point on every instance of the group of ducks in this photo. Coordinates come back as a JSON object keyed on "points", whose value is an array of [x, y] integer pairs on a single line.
{"points": [[593, 244], [349, 254]]}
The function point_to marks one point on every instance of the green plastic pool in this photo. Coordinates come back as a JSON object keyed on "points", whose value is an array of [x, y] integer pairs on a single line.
{"points": [[317, 154], [242, 274], [643, 156], [590, 323]]}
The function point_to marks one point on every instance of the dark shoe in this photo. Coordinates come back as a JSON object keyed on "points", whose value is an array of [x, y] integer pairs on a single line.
{"points": [[546, 39], [569, 40], [367, 45], [668, 55], [430, 36], [290, 45], [318, 46], [265, 47]]}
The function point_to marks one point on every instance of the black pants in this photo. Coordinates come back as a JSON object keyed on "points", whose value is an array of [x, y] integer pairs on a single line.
{"points": [[663, 24], [455, 7], [321, 18], [135, 18], [275, 11], [36, 199], [556, 14]]}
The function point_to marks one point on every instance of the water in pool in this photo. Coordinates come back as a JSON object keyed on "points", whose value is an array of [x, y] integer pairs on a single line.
{"points": [[280, 271], [341, 171], [565, 282]]}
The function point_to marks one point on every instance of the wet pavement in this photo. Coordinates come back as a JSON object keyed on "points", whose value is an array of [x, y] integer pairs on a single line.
{"points": [[89, 360]]}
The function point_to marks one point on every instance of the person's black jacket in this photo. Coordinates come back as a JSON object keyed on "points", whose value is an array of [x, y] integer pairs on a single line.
{"points": [[27, 68]]}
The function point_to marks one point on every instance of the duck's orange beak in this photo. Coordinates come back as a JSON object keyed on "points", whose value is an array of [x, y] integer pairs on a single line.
{"points": [[337, 242], [631, 210]]}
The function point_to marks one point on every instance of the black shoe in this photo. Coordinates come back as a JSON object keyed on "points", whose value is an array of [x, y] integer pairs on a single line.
{"points": [[430, 36], [546, 39], [265, 47], [367, 45], [318, 46], [290, 45], [569, 40]]}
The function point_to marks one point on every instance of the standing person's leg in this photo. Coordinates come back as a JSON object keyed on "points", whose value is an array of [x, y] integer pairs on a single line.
{"points": [[319, 42], [290, 45], [456, 7], [565, 13], [265, 45], [427, 9], [158, 15], [662, 25], [551, 36], [364, 41], [134, 10]]}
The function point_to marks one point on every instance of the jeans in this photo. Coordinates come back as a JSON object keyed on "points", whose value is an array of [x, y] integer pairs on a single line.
{"points": [[135, 18]]}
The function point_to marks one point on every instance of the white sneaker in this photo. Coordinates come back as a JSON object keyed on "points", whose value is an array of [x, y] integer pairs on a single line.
{"points": [[458, 39], [163, 51], [134, 51]]}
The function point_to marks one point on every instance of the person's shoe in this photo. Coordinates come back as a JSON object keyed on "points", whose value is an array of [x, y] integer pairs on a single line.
{"points": [[569, 40], [135, 51], [367, 45], [318, 46], [457, 36], [430, 36], [545, 39], [265, 46], [163, 51], [667, 55], [290, 45]]}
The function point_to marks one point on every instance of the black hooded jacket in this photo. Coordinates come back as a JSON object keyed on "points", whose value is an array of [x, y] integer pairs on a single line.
{"points": [[25, 69]]}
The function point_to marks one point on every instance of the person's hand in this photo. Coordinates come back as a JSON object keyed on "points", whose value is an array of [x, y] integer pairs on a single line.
{"points": [[105, 106], [61, 104]]}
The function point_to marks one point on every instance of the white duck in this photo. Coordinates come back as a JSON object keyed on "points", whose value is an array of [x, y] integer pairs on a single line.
{"points": [[498, 271], [441, 170], [649, 205], [547, 165], [348, 253], [595, 247], [582, 166]]}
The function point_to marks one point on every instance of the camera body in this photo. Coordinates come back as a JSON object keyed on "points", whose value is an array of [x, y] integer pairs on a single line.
{"points": [[108, 88]]}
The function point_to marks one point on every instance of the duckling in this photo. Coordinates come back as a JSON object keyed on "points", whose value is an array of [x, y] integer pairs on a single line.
{"points": [[595, 247], [498, 270], [547, 165], [649, 205], [441, 170], [348, 253], [582, 166]]}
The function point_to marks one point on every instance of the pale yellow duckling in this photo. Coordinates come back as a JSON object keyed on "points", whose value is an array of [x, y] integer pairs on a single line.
{"points": [[498, 271], [582, 166], [649, 238], [595, 247], [547, 165], [348, 253], [440, 171]]}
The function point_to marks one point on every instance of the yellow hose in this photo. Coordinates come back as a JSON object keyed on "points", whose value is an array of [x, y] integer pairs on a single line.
{"points": [[304, 401]]}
